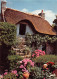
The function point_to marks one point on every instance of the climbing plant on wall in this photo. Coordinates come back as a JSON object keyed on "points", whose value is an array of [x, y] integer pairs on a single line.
{"points": [[39, 39]]}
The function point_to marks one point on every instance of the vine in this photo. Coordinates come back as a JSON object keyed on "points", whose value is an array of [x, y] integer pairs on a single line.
{"points": [[39, 39]]}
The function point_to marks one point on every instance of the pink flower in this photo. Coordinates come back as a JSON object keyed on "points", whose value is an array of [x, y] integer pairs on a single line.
{"points": [[21, 66], [20, 61], [5, 73], [14, 71], [25, 63], [39, 50], [17, 75], [33, 55], [32, 64], [37, 53], [47, 68], [43, 53], [24, 70], [1, 76], [24, 60]]}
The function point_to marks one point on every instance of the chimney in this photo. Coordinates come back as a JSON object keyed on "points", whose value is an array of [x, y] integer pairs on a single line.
{"points": [[42, 14], [3, 8]]}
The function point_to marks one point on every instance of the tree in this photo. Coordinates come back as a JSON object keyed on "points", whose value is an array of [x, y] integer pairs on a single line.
{"points": [[7, 33], [7, 39]]}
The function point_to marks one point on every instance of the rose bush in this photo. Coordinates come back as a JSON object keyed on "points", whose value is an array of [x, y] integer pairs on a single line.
{"points": [[10, 75], [26, 68], [26, 64], [38, 53]]}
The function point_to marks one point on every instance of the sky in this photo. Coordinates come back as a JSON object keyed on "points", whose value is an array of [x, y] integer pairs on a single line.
{"points": [[35, 6]]}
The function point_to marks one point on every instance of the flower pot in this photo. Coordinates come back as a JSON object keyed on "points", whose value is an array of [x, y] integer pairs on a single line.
{"points": [[26, 75]]}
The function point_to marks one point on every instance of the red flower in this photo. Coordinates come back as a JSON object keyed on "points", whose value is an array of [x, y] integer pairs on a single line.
{"points": [[52, 63]]}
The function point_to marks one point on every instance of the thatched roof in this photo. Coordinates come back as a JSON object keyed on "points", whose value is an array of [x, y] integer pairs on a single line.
{"points": [[40, 25]]}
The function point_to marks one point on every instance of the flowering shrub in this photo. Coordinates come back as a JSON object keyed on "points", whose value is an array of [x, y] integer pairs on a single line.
{"points": [[39, 73], [13, 59], [1, 76], [26, 64], [10, 75], [25, 68], [50, 66], [50, 63], [14, 72], [38, 53]]}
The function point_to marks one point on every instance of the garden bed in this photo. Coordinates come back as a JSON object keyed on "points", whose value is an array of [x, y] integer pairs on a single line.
{"points": [[39, 66]]}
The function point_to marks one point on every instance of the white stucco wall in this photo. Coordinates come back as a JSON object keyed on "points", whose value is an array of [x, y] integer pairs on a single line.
{"points": [[18, 26], [28, 30]]}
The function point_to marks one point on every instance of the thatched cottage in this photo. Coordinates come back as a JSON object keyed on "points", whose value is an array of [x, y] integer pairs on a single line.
{"points": [[26, 22]]}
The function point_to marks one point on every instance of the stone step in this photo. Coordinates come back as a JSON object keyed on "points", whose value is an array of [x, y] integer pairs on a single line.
{"points": [[26, 56], [21, 54]]}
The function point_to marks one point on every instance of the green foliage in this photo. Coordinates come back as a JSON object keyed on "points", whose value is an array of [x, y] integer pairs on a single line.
{"points": [[19, 42], [10, 76], [7, 33], [27, 50], [20, 75], [38, 73], [21, 46], [39, 39], [55, 66], [12, 52], [45, 59], [13, 59], [7, 39]]}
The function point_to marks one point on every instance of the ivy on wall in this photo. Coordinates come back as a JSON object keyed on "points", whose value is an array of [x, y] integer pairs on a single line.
{"points": [[39, 39]]}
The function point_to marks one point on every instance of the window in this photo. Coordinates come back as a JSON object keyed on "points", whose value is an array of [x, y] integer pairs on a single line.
{"points": [[22, 29]]}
